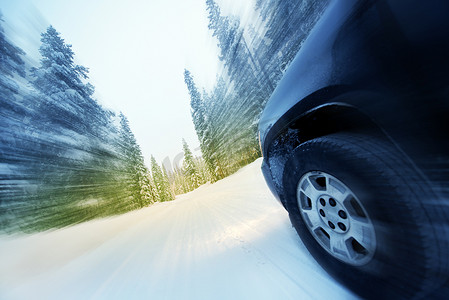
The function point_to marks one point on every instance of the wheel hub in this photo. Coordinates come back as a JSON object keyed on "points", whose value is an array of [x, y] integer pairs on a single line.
{"points": [[333, 214], [336, 218]]}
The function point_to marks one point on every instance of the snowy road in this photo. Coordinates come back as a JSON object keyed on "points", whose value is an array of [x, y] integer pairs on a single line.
{"points": [[228, 240]]}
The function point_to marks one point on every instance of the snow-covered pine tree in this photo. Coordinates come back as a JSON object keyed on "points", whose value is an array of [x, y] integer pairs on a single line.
{"points": [[58, 72], [63, 94], [203, 123], [73, 151], [134, 165], [190, 168], [253, 62], [161, 183], [225, 29], [241, 103], [147, 188], [196, 105], [65, 149]]}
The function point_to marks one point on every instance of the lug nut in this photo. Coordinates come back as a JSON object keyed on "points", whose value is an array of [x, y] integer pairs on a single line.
{"points": [[322, 213], [342, 214], [332, 202], [331, 225], [342, 226], [323, 203]]}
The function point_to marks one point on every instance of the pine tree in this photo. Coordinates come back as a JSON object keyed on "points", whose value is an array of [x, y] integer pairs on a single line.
{"points": [[131, 149], [136, 171], [58, 72], [239, 106], [253, 62], [64, 98], [190, 168], [147, 188], [225, 29], [161, 183], [197, 109], [72, 161], [203, 124]]}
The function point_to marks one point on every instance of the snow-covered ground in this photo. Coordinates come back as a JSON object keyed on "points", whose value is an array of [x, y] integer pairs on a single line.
{"points": [[228, 240]]}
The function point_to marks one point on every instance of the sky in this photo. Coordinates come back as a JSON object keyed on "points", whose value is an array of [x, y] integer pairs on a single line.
{"points": [[136, 52]]}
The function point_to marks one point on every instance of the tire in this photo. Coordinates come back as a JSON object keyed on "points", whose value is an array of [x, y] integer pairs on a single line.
{"points": [[404, 253]]}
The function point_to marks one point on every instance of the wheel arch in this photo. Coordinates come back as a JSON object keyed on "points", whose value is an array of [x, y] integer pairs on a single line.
{"points": [[324, 119], [332, 118]]}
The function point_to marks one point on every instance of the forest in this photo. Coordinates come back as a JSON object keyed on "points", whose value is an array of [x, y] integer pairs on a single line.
{"points": [[253, 55], [66, 159]]}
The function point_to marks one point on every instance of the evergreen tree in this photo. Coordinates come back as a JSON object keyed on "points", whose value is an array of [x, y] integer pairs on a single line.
{"points": [[131, 149], [190, 168], [166, 176], [253, 62], [225, 29], [136, 172], [72, 160], [64, 99], [202, 123], [58, 72], [147, 188], [162, 186], [197, 109], [240, 104]]}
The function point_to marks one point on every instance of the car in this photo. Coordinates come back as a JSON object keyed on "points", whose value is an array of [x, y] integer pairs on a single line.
{"points": [[355, 145]]}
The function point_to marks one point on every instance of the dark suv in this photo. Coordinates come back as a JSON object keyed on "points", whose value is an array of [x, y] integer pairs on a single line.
{"points": [[355, 140]]}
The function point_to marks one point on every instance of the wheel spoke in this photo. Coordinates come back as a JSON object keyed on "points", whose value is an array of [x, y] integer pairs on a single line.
{"points": [[353, 207], [326, 188], [312, 218], [310, 190], [335, 188], [338, 245], [360, 231]]}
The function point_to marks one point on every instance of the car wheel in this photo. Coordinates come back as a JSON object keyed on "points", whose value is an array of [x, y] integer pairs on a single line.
{"points": [[366, 216]]}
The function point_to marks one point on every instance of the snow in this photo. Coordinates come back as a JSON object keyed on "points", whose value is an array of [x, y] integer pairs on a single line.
{"points": [[227, 240]]}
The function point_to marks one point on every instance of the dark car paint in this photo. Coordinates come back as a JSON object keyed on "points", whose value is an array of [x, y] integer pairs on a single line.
{"points": [[386, 60]]}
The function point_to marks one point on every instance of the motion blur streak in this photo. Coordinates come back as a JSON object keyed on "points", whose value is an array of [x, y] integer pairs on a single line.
{"points": [[64, 158], [227, 240]]}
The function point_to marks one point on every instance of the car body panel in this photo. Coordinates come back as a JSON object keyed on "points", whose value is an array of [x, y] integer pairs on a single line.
{"points": [[387, 60]]}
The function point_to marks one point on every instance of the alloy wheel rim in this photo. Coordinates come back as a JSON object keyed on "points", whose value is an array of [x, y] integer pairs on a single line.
{"points": [[336, 218]]}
